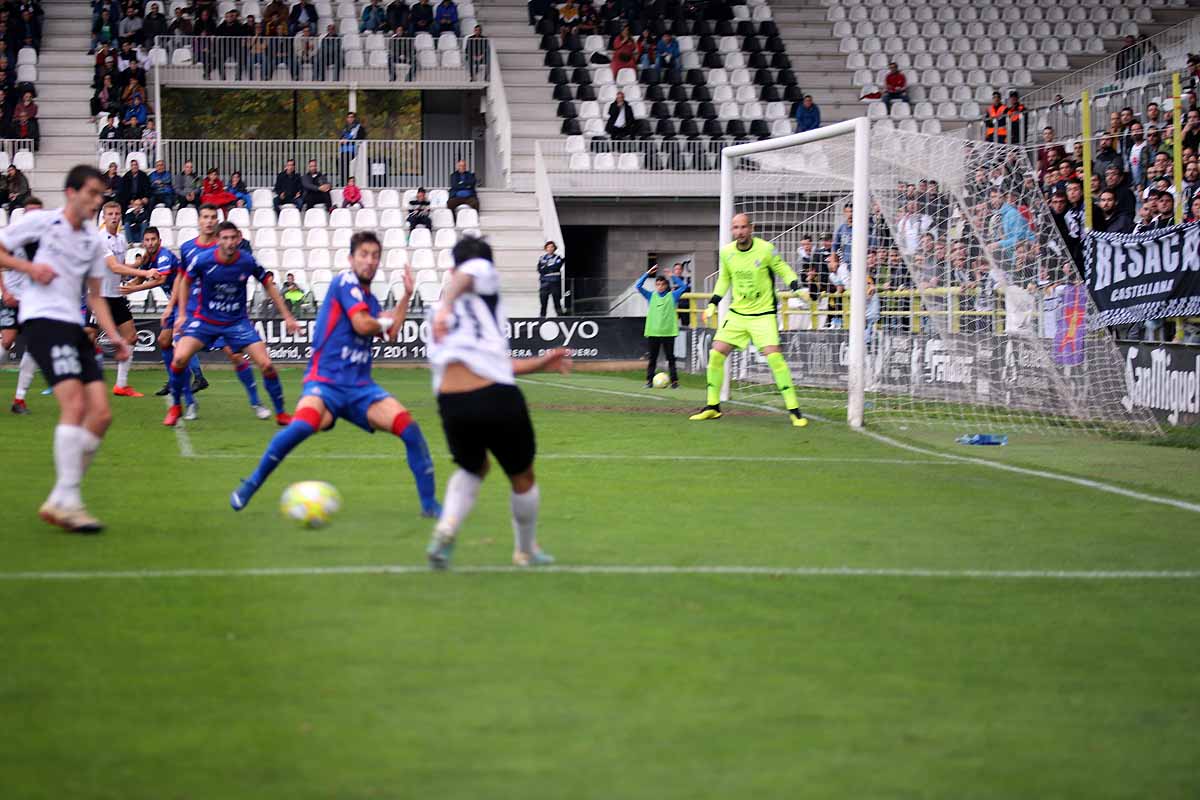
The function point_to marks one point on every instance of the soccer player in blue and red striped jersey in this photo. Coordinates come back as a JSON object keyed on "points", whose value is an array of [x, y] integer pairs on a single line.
{"points": [[220, 313], [338, 382]]}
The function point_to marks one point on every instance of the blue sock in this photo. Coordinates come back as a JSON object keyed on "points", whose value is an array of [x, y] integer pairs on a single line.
{"points": [[246, 376], [275, 390], [420, 462], [179, 384], [167, 355], [194, 367], [281, 444]]}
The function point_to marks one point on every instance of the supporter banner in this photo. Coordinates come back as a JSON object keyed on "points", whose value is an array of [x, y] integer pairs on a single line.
{"points": [[588, 339], [1134, 277], [1164, 378]]}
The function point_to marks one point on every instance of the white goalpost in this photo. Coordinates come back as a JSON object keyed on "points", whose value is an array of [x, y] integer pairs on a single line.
{"points": [[937, 287]]}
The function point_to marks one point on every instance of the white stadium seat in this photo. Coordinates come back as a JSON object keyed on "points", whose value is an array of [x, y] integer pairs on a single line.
{"points": [[394, 237], [467, 217], [238, 216], [446, 238], [289, 217], [161, 217], [420, 237], [291, 237], [316, 237], [442, 218], [388, 198], [315, 218], [265, 237], [263, 218], [186, 217], [341, 218], [392, 218]]}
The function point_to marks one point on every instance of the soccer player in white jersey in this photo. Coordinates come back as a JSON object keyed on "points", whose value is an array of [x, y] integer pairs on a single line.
{"points": [[11, 287], [118, 304], [481, 407], [71, 255]]}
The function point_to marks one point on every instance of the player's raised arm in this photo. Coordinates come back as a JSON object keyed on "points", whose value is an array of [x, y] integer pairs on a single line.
{"points": [[385, 326], [459, 284]]}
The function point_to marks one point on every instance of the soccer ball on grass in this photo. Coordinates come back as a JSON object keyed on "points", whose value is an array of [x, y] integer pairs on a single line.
{"points": [[660, 381], [310, 503]]}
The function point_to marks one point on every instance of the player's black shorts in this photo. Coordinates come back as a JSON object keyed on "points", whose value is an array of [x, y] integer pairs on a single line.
{"points": [[62, 351], [493, 418], [118, 307], [8, 318]]}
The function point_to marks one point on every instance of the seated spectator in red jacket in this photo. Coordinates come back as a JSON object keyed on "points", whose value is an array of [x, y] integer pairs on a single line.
{"points": [[897, 86], [624, 51], [352, 195], [213, 191]]}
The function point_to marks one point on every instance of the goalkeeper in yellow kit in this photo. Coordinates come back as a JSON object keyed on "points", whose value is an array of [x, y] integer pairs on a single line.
{"points": [[750, 265]]}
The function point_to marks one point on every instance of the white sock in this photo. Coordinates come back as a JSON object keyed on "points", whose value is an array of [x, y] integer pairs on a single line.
{"points": [[123, 372], [524, 518], [25, 375], [90, 443], [461, 491], [68, 466], [3, 355]]}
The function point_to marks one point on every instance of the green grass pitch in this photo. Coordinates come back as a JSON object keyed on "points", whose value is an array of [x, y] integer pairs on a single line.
{"points": [[201, 679]]}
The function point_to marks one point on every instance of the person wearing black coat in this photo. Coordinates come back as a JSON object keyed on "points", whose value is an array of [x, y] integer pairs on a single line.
{"points": [[135, 184], [303, 15], [288, 188], [1108, 218], [621, 122]]}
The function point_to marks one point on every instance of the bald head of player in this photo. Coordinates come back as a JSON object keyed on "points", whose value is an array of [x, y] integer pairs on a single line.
{"points": [[742, 229], [365, 251]]}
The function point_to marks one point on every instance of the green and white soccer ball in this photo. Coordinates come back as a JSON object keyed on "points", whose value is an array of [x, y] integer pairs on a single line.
{"points": [[310, 503], [660, 381]]}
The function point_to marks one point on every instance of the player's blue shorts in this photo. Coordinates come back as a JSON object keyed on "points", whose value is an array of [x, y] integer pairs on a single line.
{"points": [[215, 344], [238, 335], [347, 402]]}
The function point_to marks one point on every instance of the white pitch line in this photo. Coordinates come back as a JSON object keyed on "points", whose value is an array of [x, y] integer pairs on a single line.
{"points": [[181, 437], [604, 457], [1087, 483], [605, 569]]}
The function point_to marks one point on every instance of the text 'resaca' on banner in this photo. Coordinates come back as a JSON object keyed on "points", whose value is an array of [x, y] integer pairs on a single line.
{"points": [[1134, 277]]}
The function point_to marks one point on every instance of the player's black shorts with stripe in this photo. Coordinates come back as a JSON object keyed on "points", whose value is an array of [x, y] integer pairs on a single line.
{"points": [[493, 418], [62, 351], [118, 307], [8, 318]]}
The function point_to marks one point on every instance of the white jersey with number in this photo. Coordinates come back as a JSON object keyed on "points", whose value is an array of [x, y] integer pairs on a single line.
{"points": [[74, 255], [115, 244], [477, 337]]}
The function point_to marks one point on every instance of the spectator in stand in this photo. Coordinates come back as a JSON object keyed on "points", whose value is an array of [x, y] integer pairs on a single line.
{"points": [[538, 9], [303, 15], [475, 52], [136, 110], [1193, 214], [1117, 182], [621, 122], [150, 136], [187, 186], [1136, 160], [462, 188], [1191, 183], [1106, 156], [420, 18], [103, 30], [275, 18], [353, 132], [162, 186], [550, 272], [996, 120], [288, 189], [351, 194], [304, 51], [25, 120], [374, 18], [16, 187], [181, 24], [418, 211], [624, 51], [445, 18], [646, 47], [316, 187], [129, 29], [911, 226], [136, 217], [1016, 119], [1058, 213], [1013, 228], [260, 56], [231, 30], [610, 15], [896, 86], [397, 16], [112, 182], [135, 185], [401, 50], [589, 19], [568, 17], [1108, 218], [292, 293], [329, 55], [1191, 131], [808, 115], [237, 188], [1154, 115], [153, 25], [213, 191], [666, 52], [107, 99]]}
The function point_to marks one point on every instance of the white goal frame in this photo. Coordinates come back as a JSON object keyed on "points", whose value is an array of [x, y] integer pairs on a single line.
{"points": [[860, 130]]}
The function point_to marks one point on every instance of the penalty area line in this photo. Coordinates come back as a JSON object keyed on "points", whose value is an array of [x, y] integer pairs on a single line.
{"points": [[603, 457], [604, 569]]}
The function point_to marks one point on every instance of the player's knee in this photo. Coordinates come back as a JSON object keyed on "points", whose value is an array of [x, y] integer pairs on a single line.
{"points": [[522, 482], [269, 373], [309, 416], [400, 422], [99, 418]]}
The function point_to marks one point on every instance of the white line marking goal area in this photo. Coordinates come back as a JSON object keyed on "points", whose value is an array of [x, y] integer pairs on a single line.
{"points": [[614, 569]]}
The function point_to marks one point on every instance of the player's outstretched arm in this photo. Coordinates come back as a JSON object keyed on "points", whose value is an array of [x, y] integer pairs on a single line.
{"points": [[143, 284], [127, 271], [100, 310], [42, 273], [288, 320], [556, 360], [460, 283]]}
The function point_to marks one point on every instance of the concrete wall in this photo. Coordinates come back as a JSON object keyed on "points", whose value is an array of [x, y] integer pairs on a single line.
{"points": [[638, 227]]}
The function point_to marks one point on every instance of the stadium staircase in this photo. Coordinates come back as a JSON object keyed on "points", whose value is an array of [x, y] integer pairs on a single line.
{"points": [[64, 89]]}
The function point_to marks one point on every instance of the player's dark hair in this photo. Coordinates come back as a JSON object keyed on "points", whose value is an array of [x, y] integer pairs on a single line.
{"points": [[80, 175], [33, 201], [227, 226], [363, 237], [153, 230], [208, 207], [470, 247]]}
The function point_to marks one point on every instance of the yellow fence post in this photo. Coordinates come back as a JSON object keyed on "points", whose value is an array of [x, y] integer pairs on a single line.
{"points": [[1085, 108]]}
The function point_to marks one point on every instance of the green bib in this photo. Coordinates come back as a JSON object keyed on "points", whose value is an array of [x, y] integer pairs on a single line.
{"points": [[661, 319]]}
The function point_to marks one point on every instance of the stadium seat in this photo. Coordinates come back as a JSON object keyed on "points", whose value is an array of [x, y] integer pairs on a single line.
{"points": [[261, 198], [161, 217], [262, 218], [341, 257], [445, 260], [340, 237], [420, 237], [184, 234], [388, 198], [26, 55], [186, 217], [366, 218], [265, 237], [293, 259], [393, 237], [579, 162], [134, 155], [319, 259], [316, 237], [442, 218], [445, 238], [438, 198], [167, 237], [467, 218], [181, 57], [289, 217], [423, 259], [341, 218], [392, 218], [397, 259], [291, 237], [238, 216]]}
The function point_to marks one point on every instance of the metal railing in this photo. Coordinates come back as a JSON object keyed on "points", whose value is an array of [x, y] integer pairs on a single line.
{"points": [[499, 121], [10, 147], [287, 61], [632, 167], [382, 163]]}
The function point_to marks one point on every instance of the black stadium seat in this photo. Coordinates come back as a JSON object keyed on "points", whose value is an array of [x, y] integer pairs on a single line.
{"points": [[641, 128], [701, 94], [553, 59], [713, 61], [701, 27], [793, 94], [558, 76], [655, 93], [571, 42], [674, 77], [659, 110], [712, 128], [775, 44], [570, 127], [745, 28], [581, 75], [723, 28], [706, 111], [550, 42], [707, 44], [768, 28], [751, 45], [678, 94], [760, 129], [696, 77], [785, 77], [562, 91], [769, 94], [567, 110], [651, 75], [578, 59], [689, 128], [781, 61], [758, 61], [736, 128], [665, 129], [684, 111], [762, 77], [585, 92]]}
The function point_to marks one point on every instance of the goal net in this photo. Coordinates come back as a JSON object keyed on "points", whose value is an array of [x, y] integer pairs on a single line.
{"points": [[974, 311]]}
